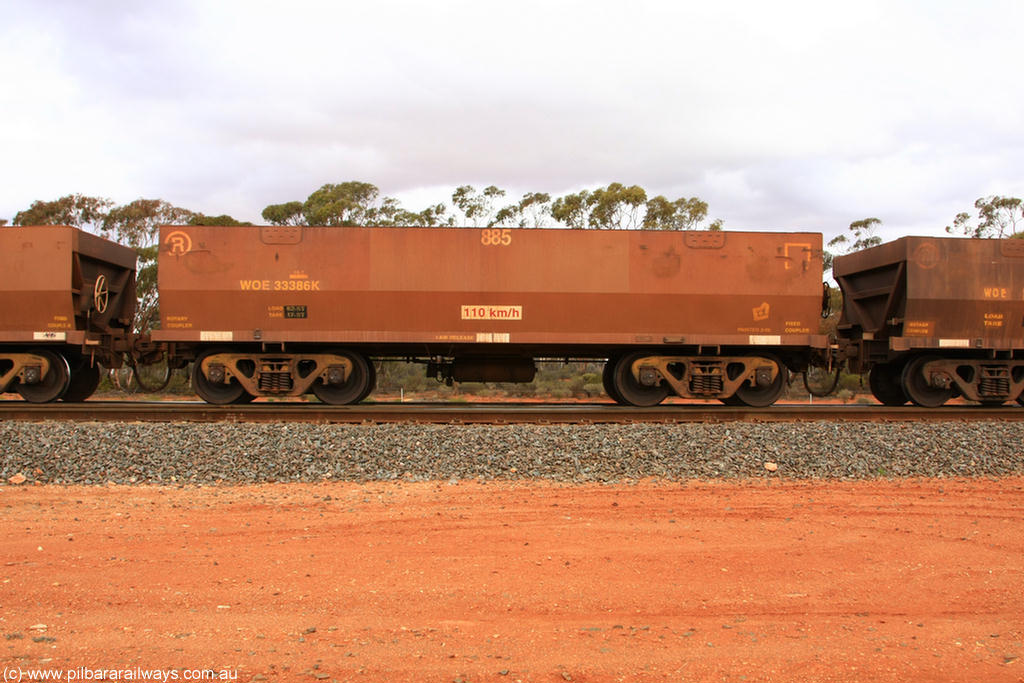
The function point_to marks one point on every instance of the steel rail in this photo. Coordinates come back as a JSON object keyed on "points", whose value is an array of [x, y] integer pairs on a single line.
{"points": [[487, 413]]}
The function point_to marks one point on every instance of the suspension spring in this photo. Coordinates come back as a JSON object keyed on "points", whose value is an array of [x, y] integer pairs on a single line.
{"points": [[275, 382], [995, 382], [706, 384]]}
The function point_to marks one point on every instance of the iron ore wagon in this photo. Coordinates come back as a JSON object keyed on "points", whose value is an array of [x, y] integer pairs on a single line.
{"points": [[67, 300], [283, 311], [934, 318]]}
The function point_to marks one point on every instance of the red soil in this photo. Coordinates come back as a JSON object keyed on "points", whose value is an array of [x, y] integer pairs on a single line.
{"points": [[766, 581]]}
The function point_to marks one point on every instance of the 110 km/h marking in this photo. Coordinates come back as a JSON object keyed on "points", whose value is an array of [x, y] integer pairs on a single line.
{"points": [[492, 312]]}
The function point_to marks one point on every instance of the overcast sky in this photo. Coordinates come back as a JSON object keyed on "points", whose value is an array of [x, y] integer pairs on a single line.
{"points": [[781, 115]]}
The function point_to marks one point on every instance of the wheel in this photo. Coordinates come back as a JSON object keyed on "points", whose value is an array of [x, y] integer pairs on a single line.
{"points": [[762, 397], [217, 393], [630, 390], [608, 380], [917, 388], [1020, 399], [371, 383], [84, 380], [357, 387], [887, 385], [246, 397], [53, 385]]}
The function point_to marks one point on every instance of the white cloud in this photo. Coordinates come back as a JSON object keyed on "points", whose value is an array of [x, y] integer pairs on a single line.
{"points": [[803, 115]]}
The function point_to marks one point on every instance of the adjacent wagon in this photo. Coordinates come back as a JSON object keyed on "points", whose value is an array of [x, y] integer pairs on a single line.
{"points": [[67, 300], [932, 318]]}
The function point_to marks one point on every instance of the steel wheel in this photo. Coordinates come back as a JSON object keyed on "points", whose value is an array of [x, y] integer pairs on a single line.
{"points": [[53, 385], [357, 387], [371, 383], [762, 397], [886, 384], [917, 388], [84, 381], [218, 393], [608, 380], [632, 392]]}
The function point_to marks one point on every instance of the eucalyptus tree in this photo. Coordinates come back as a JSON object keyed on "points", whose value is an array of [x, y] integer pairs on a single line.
{"points": [[997, 217]]}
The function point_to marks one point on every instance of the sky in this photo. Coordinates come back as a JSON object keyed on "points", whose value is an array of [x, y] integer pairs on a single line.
{"points": [[781, 115]]}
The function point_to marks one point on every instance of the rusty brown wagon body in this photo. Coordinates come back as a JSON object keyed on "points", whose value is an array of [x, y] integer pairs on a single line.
{"points": [[285, 310], [67, 300], [935, 317]]}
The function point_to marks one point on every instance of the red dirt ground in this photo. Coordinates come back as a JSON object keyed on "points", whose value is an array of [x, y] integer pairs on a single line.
{"points": [[766, 581]]}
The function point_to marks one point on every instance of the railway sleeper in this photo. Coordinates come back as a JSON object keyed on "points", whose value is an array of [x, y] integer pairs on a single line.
{"points": [[985, 381], [275, 374], [719, 377]]}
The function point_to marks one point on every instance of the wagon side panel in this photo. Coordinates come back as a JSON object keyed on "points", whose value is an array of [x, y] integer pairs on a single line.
{"points": [[433, 286]]}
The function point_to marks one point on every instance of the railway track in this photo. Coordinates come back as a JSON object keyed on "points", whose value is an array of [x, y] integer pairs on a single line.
{"points": [[487, 413]]}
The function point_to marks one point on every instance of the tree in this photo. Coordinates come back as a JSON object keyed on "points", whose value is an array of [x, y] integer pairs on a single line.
{"points": [[529, 212], [477, 207], [136, 225], [997, 217], [342, 204], [627, 208], [390, 213], [76, 210], [352, 203], [863, 237], [289, 213], [433, 215], [223, 220], [682, 214], [573, 210], [617, 206], [3, 222]]}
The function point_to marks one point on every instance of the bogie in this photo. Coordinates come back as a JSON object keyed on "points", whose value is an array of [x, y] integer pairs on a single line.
{"points": [[760, 393], [232, 376], [645, 379], [47, 381], [632, 391], [353, 388], [930, 380], [211, 384], [925, 386]]}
